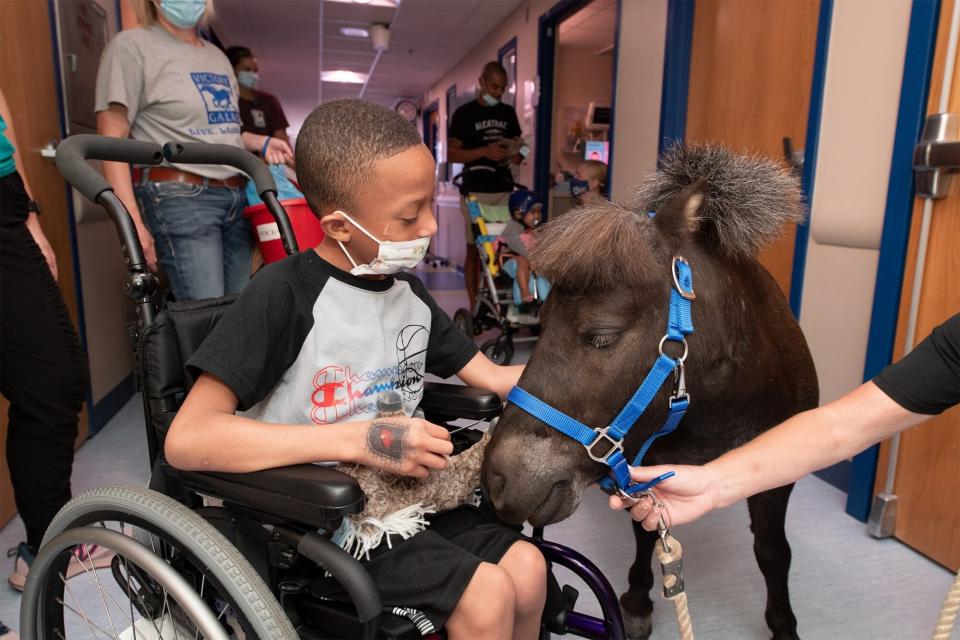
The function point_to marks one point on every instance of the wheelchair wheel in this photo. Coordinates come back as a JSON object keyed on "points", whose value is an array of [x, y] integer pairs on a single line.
{"points": [[213, 568], [499, 350], [463, 320]]}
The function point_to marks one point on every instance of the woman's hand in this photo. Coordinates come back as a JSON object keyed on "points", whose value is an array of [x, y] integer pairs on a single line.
{"points": [[407, 446], [681, 499], [33, 225], [149, 248]]}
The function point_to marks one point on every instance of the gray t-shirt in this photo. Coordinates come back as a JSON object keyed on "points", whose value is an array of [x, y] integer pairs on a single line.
{"points": [[173, 92], [512, 237]]}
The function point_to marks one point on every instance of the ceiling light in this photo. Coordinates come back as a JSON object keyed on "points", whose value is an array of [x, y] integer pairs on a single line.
{"points": [[340, 75], [362, 1], [354, 32], [392, 4]]}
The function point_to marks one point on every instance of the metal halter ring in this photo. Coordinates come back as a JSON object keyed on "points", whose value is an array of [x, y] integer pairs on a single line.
{"points": [[689, 295], [683, 340]]}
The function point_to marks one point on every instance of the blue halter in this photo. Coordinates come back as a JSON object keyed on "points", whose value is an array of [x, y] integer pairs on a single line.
{"points": [[606, 444]]}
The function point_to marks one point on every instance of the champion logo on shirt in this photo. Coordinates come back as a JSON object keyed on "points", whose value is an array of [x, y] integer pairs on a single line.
{"points": [[217, 97], [339, 392]]}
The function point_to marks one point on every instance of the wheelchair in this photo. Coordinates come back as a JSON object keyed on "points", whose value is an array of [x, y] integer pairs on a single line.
{"points": [[495, 306], [224, 555]]}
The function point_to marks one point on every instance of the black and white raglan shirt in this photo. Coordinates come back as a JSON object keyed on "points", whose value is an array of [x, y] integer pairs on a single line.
{"points": [[309, 343]]}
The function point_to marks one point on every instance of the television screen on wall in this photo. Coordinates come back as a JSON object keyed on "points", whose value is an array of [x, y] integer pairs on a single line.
{"points": [[597, 150]]}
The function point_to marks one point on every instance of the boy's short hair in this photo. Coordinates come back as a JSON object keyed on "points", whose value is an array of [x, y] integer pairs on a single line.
{"points": [[491, 68], [596, 170], [338, 145]]}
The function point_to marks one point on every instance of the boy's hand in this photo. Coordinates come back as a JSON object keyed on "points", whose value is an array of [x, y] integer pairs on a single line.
{"points": [[407, 446]]}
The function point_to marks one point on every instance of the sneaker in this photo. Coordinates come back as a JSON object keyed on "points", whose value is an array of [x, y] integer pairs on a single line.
{"points": [[6, 633], [84, 556]]}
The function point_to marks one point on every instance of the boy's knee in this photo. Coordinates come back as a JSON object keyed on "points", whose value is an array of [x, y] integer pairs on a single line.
{"points": [[528, 570], [491, 591]]}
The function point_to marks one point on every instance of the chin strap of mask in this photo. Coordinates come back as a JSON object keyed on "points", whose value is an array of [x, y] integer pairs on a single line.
{"points": [[605, 444]]}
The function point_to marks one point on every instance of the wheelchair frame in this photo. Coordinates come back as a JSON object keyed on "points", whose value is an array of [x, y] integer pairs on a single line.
{"points": [[267, 501]]}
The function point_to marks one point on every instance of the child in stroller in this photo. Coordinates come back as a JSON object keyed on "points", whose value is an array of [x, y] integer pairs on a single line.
{"points": [[525, 211]]}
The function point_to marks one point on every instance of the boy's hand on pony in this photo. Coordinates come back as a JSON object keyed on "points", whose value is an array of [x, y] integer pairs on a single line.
{"points": [[405, 446], [681, 499]]}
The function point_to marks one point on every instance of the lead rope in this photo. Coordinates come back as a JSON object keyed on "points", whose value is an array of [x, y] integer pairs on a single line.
{"points": [[670, 555], [948, 613]]}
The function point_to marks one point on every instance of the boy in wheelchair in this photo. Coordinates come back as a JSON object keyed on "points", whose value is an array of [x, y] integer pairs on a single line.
{"points": [[314, 338]]}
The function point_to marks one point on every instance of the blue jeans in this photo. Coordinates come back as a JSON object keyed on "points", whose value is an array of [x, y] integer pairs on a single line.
{"points": [[203, 241]]}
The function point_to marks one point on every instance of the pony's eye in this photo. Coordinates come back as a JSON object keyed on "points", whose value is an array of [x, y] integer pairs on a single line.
{"points": [[604, 340]]}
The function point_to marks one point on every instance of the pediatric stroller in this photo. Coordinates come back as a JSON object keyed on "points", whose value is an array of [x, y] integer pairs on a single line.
{"points": [[251, 563], [496, 305]]}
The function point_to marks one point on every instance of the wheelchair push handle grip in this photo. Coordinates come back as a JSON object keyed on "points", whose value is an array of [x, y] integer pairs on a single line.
{"points": [[204, 153], [73, 153]]}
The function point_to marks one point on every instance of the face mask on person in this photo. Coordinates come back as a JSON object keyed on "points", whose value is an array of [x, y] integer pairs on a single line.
{"points": [[579, 187], [183, 13], [248, 79], [489, 100], [391, 256]]}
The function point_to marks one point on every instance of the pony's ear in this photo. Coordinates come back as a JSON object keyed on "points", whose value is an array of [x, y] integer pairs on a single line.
{"points": [[678, 218]]}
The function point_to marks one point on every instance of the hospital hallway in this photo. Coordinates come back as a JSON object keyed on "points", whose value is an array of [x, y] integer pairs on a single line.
{"points": [[844, 584]]}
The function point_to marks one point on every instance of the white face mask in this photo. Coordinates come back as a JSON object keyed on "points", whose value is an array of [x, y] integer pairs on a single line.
{"points": [[391, 256]]}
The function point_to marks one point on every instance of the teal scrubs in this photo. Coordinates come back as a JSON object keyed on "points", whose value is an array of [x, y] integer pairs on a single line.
{"points": [[7, 163]]}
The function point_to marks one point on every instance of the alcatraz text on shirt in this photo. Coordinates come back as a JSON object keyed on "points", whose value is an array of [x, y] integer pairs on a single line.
{"points": [[490, 124]]}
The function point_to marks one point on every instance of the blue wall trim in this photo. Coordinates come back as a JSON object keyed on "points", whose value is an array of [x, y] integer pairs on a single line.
{"points": [[810, 151], [676, 72], [110, 404], [914, 93], [618, 11]]}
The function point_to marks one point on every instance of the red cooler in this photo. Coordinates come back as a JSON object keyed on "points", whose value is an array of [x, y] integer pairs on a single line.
{"points": [[306, 228]]}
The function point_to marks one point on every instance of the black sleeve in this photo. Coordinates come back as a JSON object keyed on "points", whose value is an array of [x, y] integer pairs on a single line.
{"points": [[448, 350], [460, 127], [927, 380], [258, 338], [278, 117]]}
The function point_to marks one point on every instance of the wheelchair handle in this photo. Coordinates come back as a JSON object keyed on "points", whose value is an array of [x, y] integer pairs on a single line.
{"points": [[257, 169], [73, 153]]}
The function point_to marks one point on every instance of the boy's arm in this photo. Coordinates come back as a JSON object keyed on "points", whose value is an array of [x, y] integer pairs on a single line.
{"points": [[208, 436], [481, 372]]}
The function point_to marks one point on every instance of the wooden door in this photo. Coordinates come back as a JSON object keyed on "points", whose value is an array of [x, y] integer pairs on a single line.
{"points": [[751, 70], [928, 464], [27, 77]]}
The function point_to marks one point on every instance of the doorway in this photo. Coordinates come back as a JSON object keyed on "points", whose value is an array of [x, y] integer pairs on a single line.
{"points": [[577, 55], [431, 128]]}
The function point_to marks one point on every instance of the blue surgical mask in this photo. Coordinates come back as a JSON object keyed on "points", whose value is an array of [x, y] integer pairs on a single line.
{"points": [[579, 187], [489, 100], [183, 13], [248, 79]]}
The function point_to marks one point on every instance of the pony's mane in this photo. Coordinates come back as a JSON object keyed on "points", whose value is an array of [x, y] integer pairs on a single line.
{"points": [[748, 198], [596, 245]]}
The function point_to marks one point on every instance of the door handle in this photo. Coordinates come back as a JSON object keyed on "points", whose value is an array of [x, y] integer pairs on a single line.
{"points": [[50, 150], [937, 153]]}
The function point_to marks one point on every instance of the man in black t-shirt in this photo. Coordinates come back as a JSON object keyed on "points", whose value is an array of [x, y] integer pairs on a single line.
{"points": [[483, 135], [924, 383]]}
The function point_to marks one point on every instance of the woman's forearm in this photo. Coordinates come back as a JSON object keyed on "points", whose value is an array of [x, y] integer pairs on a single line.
{"points": [[807, 442]]}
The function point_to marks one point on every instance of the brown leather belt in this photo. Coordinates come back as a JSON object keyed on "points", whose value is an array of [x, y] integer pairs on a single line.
{"points": [[167, 174]]}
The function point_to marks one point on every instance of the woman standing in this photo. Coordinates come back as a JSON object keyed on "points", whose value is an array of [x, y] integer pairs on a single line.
{"points": [[163, 83]]}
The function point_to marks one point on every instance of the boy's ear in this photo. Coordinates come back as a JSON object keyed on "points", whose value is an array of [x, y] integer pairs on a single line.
{"points": [[335, 226], [678, 218]]}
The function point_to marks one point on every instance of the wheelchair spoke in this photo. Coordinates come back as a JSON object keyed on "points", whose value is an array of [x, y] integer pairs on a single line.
{"points": [[126, 571], [203, 583], [66, 606], [142, 603], [93, 572], [77, 602]]}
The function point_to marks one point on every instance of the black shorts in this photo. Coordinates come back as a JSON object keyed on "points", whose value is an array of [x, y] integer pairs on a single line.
{"points": [[430, 571]]}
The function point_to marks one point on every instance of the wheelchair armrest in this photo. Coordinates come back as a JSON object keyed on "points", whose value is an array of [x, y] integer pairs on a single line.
{"points": [[452, 401], [305, 493]]}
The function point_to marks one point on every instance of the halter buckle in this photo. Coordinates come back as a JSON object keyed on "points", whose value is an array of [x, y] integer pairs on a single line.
{"points": [[680, 386], [602, 436], [688, 295]]}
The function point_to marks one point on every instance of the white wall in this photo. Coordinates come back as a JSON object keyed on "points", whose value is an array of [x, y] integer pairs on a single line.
{"points": [[861, 96]]}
